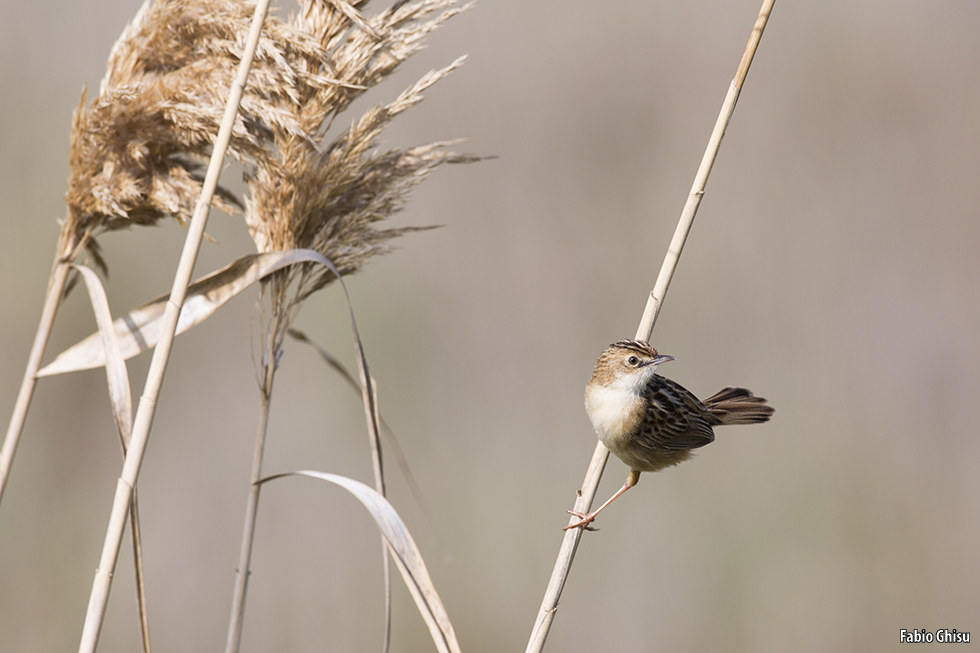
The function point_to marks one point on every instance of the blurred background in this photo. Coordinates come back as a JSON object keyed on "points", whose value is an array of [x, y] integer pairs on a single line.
{"points": [[832, 269]]}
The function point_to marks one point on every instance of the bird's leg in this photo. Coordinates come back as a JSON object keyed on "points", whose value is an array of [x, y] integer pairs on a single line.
{"points": [[588, 518]]}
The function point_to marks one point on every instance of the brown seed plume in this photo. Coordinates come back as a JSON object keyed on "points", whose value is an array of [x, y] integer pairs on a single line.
{"points": [[328, 194], [138, 148]]}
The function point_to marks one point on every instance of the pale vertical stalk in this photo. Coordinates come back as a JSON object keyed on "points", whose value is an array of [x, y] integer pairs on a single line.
{"points": [[158, 365], [234, 639], [369, 394], [56, 287], [134, 520], [593, 475]]}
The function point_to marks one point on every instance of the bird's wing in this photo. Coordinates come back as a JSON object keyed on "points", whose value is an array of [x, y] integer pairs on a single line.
{"points": [[675, 419]]}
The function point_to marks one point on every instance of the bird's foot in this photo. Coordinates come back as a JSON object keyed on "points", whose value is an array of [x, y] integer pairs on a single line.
{"points": [[586, 519]]}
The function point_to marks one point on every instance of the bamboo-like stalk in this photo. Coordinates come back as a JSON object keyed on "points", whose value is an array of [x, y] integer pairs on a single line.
{"points": [[234, 639], [52, 299], [120, 397], [566, 554], [134, 521], [158, 365]]}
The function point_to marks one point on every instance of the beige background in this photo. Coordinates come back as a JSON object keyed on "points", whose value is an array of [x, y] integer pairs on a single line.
{"points": [[832, 269]]}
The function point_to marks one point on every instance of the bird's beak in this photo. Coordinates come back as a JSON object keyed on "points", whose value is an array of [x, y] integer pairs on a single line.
{"points": [[662, 358]]}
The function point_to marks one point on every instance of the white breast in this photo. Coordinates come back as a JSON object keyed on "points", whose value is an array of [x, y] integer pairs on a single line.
{"points": [[609, 407]]}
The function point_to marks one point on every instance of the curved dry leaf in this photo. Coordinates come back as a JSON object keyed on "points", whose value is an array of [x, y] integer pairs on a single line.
{"points": [[120, 395], [116, 375], [139, 329], [403, 549]]}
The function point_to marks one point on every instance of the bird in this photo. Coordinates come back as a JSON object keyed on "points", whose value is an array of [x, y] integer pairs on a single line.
{"points": [[651, 422]]}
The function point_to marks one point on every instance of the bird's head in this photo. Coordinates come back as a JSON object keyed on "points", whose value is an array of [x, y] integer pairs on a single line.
{"points": [[627, 365]]}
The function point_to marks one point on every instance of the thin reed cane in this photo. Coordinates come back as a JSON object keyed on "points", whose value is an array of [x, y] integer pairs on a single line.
{"points": [[158, 365], [234, 638], [566, 553], [56, 287]]}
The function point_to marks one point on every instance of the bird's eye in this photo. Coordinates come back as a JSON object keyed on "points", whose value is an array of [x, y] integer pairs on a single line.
{"points": [[632, 361]]}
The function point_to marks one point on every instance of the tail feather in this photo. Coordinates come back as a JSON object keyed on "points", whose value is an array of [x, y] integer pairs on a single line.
{"points": [[738, 406]]}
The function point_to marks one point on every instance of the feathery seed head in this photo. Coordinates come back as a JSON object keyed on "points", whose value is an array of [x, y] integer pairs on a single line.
{"points": [[137, 149], [328, 195]]}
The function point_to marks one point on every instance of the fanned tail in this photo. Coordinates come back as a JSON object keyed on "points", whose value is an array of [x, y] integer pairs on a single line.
{"points": [[738, 406]]}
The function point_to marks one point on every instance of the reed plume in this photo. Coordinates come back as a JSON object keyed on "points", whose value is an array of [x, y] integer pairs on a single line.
{"points": [[138, 151], [327, 195]]}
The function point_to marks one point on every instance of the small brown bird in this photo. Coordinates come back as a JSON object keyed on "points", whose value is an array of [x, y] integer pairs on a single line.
{"points": [[649, 421]]}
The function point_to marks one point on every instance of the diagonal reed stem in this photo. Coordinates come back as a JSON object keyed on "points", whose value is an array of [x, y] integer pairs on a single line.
{"points": [[566, 554], [144, 616], [270, 359], [56, 287], [369, 395], [158, 365]]}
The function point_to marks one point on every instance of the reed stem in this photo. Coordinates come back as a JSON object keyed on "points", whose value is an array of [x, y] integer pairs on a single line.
{"points": [[569, 545], [237, 620], [52, 299]]}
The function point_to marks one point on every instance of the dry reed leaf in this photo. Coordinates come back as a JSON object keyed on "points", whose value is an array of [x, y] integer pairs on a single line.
{"points": [[139, 329], [405, 552], [120, 395]]}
